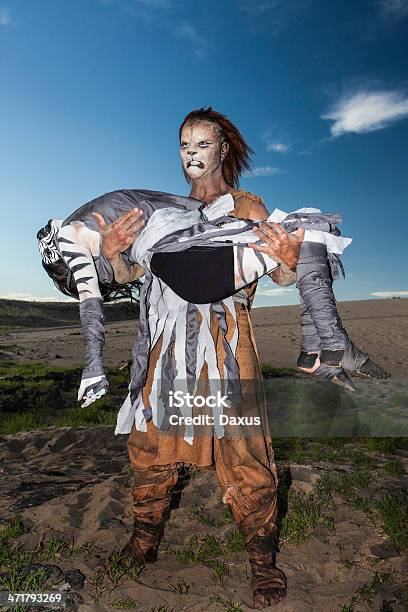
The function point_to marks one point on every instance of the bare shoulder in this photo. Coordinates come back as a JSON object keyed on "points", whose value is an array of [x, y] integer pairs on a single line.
{"points": [[249, 206]]}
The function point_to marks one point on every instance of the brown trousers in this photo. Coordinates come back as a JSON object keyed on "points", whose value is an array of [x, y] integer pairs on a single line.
{"points": [[245, 467]]}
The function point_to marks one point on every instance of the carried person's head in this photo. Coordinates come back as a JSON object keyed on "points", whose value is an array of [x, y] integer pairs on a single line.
{"points": [[61, 275], [52, 261]]}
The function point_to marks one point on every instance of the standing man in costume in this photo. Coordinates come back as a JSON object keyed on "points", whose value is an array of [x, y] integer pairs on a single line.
{"points": [[214, 155]]}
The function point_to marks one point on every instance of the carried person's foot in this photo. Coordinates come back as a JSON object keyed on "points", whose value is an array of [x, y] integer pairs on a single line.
{"points": [[354, 361], [310, 363]]}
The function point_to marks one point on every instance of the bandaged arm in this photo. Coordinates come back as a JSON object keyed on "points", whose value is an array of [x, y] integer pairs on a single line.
{"points": [[77, 245]]}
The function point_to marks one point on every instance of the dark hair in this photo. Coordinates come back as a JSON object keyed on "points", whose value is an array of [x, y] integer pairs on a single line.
{"points": [[62, 277], [64, 280], [238, 158]]}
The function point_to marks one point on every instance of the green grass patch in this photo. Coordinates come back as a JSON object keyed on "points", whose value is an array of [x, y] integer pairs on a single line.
{"points": [[307, 512], [226, 604], [365, 594], [180, 587], [393, 510], [116, 570], [199, 550], [234, 541], [35, 396], [124, 604], [13, 559], [8, 347], [269, 371], [384, 445], [393, 467]]}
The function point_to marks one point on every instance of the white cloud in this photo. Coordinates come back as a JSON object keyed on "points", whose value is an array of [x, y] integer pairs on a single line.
{"points": [[28, 297], [273, 143], [262, 171], [273, 15], [390, 294], [278, 147], [4, 16], [273, 291], [199, 45], [162, 16], [393, 8], [366, 111]]}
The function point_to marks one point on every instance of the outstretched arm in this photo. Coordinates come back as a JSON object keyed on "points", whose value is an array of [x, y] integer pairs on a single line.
{"points": [[78, 244]]}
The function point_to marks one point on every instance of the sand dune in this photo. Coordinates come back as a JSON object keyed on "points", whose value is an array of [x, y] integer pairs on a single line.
{"points": [[380, 327]]}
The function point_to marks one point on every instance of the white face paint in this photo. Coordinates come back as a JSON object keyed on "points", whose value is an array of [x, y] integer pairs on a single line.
{"points": [[201, 149], [47, 241]]}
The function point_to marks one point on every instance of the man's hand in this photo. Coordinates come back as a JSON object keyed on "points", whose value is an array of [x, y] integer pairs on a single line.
{"points": [[119, 235], [279, 245]]}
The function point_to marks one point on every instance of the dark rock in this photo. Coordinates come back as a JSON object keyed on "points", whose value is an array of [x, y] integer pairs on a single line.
{"points": [[75, 578], [385, 550], [112, 523], [16, 445], [53, 472], [304, 474], [58, 357], [41, 492], [73, 601]]}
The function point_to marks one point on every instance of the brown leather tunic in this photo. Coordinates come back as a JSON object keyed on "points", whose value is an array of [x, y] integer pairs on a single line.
{"points": [[173, 450]]}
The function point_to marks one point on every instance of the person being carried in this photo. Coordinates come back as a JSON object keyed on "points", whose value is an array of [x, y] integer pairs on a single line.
{"points": [[204, 258]]}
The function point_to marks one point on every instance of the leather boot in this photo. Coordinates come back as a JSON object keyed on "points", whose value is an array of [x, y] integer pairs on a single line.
{"points": [[144, 541], [268, 582]]}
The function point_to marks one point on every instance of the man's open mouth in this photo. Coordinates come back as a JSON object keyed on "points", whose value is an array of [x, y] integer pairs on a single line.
{"points": [[195, 163]]}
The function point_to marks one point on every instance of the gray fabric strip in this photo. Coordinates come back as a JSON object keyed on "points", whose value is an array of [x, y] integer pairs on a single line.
{"points": [[230, 361], [192, 329], [313, 221], [314, 282], [168, 374], [310, 341], [104, 269], [240, 256], [141, 347], [92, 319]]}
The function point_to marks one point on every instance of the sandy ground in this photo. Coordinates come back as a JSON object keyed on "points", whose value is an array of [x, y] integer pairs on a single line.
{"points": [[75, 484], [380, 327]]}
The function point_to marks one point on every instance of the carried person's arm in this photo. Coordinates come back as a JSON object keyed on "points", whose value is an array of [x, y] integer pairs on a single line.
{"points": [[116, 238]]}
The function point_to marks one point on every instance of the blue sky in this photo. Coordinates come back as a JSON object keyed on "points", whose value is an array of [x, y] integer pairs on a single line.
{"points": [[93, 92]]}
